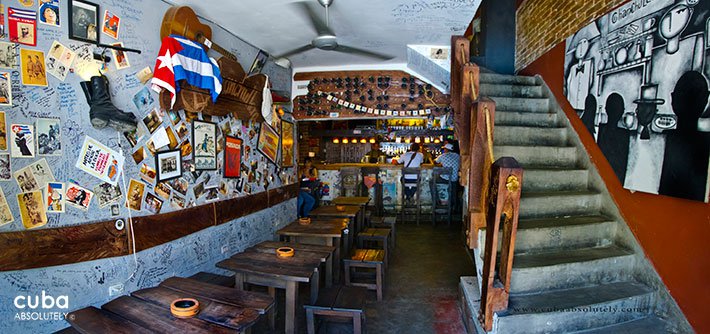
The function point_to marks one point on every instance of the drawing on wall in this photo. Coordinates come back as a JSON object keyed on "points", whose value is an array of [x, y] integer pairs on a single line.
{"points": [[639, 81]]}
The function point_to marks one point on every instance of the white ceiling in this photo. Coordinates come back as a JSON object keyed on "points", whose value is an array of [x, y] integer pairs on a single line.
{"points": [[384, 26]]}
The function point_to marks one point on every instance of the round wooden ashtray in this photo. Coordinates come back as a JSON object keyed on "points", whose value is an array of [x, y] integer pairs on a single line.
{"points": [[340, 208], [304, 221], [185, 308], [284, 251]]}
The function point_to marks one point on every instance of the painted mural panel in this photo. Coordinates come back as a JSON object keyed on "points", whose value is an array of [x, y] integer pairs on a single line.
{"points": [[638, 78]]}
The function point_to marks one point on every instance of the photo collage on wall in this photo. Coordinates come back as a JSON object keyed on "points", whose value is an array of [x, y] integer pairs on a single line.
{"points": [[53, 162], [640, 82]]}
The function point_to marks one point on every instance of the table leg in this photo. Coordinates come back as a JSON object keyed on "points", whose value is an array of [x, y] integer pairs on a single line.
{"points": [[315, 285], [310, 321], [357, 323], [239, 281], [329, 271], [336, 256], [291, 300], [272, 312]]}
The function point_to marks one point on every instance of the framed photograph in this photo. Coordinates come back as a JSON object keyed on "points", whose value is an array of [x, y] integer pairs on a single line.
{"points": [[258, 63], [268, 143], [287, 141], [232, 157], [168, 165], [8, 55], [204, 138], [84, 18]]}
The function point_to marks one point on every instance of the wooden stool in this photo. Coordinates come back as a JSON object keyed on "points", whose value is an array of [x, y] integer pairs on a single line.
{"points": [[338, 301], [386, 222], [367, 258], [377, 235]]}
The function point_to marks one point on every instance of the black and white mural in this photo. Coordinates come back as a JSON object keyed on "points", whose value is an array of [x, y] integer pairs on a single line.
{"points": [[638, 78]]}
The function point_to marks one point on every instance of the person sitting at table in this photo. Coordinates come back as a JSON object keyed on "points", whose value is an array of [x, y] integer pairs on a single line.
{"points": [[412, 159], [374, 155], [306, 196]]}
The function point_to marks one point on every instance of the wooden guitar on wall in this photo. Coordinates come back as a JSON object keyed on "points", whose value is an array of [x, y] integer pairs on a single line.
{"points": [[182, 20]]}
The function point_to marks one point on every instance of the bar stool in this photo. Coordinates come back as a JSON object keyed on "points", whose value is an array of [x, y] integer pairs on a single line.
{"points": [[349, 181], [441, 202], [414, 202]]}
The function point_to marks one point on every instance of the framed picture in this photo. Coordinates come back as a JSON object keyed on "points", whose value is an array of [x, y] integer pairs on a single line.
{"points": [[232, 157], [84, 18], [268, 142], [259, 62], [204, 139], [168, 165], [286, 144]]}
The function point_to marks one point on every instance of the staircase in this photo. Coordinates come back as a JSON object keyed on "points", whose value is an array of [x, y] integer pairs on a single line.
{"points": [[575, 259]]}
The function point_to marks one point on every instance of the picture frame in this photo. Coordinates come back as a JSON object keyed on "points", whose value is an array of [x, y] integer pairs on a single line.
{"points": [[259, 62], [84, 21], [268, 143], [204, 139], [232, 157], [168, 165], [287, 143]]}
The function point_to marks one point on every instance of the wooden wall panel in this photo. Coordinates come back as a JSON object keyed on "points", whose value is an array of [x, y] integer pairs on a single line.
{"points": [[279, 195], [154, 230]]}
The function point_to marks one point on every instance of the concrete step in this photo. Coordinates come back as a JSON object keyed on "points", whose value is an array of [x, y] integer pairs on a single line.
{"points": [[648, 325], [518, 118], [570, 268], [490, 89], [539, 156], [527, 135], [549, 179], [559, 203], [541, 105], [564, 233], [506, 79], [564, 311]]}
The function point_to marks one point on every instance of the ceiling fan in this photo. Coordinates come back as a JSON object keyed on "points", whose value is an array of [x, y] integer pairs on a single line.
{"points": [[326, 39]]}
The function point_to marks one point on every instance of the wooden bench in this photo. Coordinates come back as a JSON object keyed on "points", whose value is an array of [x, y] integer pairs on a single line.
{"points": [[367, 258], [386, 222], [376, 235], [338, 301]]}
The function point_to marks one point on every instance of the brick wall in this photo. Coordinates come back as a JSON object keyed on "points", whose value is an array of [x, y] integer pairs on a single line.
{"points": [[542, 24]]}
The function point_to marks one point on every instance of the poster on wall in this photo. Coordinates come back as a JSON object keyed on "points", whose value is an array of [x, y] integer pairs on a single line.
{"points": [[8, 55], [32, 209], [5, 168], [49, 139], [287, 141], [49, 12], [34, 72], [22, 26], [5, 213], [111, 24], [59, 60], [204, 136], [22, 141], [232, 157], [638, 80], [79, 197], [5, 90], [100, 161], [3, 132], [268, 143], [54, 197]]}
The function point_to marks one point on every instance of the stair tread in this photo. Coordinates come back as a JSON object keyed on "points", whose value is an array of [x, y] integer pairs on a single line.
{"points": [[555, 127], [532, 223], [537, 145], [557, 300], [557, 257], [647, 325], [558, 193], [554, 169]]}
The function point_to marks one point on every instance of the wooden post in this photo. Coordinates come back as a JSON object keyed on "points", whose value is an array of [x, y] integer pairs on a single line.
{"points": [[480, 160], [503, 207]]}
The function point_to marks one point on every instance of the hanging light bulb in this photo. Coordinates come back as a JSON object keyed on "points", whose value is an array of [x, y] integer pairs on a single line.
{"points": [[408, 140], [345, 140], [372, 140], [417, 140], [436, 141], [427, 140], [398, 140], [336, 141], [363, 141], [353, 141]]}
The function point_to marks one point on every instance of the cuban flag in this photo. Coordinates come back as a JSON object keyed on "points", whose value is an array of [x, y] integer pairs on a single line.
{"points": [[23, 26], [182, 59]]}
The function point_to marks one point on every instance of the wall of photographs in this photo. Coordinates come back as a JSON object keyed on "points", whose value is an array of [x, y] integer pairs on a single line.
{"points": [[49, 151]]}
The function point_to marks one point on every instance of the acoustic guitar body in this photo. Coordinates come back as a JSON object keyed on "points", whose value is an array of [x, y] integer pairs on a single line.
{"points": [[182, 20]]}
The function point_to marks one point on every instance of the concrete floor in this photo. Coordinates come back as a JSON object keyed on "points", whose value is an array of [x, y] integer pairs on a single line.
{"points": [[421, 286]]}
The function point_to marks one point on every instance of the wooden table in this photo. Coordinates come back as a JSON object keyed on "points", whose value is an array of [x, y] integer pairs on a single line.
{"points": [[275, 272], [353, 213], [326, 231], [352, 201], [324, 253], [222, 310]]}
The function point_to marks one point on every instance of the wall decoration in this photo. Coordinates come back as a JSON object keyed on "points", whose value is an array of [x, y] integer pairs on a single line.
{"points": [[79, 197], [41, 172], [287, 144], [2, 21], [168, 165], [5, 213], [182, 131], [100, 161], [49, 138], [22, 143], [185, 149], [148, 174], [133, 136], [159, 139], [153, 120], [177, 202], [23, 26], [32, 209], [174, 116], [268, 142], [8, 55], [5, 169], [172, 139], [27, 3], [54, 197], [134, 200], [232, 157], [153, 204], [59, 60], [639, 83], [259, 62], [120, 56], [111, 24], [163, 190], [107, 194], [115, 210], [26, 180], [204, 136], [5, 90], [139, 155], [84, 21], [34, 72], [144, 75], [144, 100], [180, 185], [3, 132], [49, 12]]}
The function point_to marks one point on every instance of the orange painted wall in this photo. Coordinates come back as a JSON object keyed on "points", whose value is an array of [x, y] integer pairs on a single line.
{"points": [[674, 233]]}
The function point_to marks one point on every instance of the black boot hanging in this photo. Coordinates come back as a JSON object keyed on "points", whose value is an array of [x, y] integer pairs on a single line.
{"points": [[103, 113]]}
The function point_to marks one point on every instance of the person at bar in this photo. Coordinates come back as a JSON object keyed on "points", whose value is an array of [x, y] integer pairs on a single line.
{"points": [[411, 159], [309, 182], [374, 155], [449, 159]]}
